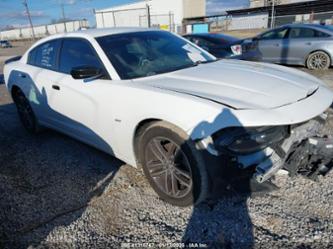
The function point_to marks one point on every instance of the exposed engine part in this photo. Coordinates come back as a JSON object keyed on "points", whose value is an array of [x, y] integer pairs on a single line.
{"points": [[308, 150], [245, 161], [268, 168], [311, 158], [328, 128], [299, 133]]}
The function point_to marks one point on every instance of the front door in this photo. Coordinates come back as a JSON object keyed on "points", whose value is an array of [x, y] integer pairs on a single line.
{"points": [[271, 45], [75, 100]]}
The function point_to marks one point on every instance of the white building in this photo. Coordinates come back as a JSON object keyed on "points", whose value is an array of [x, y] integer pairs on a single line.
{"points": [[43, 30], [165, 14]]}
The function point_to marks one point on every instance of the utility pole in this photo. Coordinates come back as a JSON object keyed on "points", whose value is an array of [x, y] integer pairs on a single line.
{"points": [[63, 15], [273, 14], [29, 17], [148, 15]]}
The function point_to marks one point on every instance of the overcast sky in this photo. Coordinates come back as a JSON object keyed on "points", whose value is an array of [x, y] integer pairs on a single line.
{"points": [[12, 12]]}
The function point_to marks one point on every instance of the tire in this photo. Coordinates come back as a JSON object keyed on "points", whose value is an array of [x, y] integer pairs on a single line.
{"points": [[173, 166], [318, 61], [25, 112]]}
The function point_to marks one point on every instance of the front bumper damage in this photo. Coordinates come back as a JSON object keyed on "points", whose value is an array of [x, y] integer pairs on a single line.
{"points": [[306, 151]]}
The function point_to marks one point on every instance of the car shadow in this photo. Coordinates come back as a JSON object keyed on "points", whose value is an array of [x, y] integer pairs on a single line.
{"points": [[227, 201], [48, 180]]}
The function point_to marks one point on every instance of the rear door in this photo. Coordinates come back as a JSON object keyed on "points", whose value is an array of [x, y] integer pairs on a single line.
{"points": [[45, 58], [271, 45], [303, 41]]}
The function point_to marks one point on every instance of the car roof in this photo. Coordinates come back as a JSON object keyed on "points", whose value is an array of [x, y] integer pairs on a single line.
{"points": [[93, 33], [110, 31], [210, 35], [304, 25], [320, 27]]}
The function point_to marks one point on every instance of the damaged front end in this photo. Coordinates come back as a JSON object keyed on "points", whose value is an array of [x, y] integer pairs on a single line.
{"points": [[300, 149]]}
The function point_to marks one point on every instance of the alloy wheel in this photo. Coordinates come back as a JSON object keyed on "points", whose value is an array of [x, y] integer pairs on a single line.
{"points": [[169, 167], [319, 61]]}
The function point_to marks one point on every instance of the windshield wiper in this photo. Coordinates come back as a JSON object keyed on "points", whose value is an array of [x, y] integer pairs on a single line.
{"points": [[203, 62]]}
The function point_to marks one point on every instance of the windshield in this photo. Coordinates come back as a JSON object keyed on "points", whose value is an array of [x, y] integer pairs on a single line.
{"points": [[147, 53]]}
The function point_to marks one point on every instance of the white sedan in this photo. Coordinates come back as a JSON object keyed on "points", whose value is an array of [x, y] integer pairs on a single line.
{"points": [[155, 100]]}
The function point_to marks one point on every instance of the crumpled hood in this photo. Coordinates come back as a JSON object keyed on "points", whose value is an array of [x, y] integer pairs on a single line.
{"points": [[239, 84]]}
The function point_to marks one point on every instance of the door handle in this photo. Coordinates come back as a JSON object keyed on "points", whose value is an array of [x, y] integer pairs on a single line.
{"points": [[308, 43], [22, 75], [277, 45], [55, 87]]}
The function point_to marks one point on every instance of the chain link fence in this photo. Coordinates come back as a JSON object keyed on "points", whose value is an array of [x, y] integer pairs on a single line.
{"points": [[259, 21], [315, 18], [135, 17]]}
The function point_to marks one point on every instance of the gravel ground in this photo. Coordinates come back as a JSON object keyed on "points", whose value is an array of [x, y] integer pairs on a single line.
{"points": [[57, 192]]}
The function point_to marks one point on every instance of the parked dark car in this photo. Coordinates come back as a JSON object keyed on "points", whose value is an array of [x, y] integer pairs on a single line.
{"points": [[5, 44], [309, 45], [224, 46]]}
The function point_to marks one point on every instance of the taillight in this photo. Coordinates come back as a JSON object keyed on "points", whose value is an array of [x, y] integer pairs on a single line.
{"points": [[236, 49]]}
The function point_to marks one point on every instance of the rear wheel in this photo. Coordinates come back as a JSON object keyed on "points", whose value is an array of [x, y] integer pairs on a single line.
{"points": [[173, 166], [25, 112], [318, 61]]}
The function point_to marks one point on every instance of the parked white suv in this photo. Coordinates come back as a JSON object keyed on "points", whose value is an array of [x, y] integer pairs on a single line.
{"points": [[155, 100]]}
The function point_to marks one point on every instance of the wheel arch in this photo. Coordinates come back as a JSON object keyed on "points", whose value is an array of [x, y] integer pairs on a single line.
{"points": [[138, 131], [319, 50], [142, 126], [202, 170]]}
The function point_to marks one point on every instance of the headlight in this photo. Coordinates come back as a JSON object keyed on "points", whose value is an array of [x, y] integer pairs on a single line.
{"points": [[240, 140]]}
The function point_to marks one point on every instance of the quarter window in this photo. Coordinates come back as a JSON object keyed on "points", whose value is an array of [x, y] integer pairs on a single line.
{"points": [[32, 57], [45, 55], [78, 52]]}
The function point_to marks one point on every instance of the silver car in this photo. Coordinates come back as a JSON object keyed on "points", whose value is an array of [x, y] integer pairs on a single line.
{"points": [[309, 45]]}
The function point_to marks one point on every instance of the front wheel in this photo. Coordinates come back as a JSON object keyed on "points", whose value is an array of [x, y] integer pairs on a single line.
{"points": [[173, 166], [318, 61]]}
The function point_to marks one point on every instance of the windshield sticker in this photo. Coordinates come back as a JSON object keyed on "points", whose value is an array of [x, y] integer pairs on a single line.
{"points": [[194, 54]]}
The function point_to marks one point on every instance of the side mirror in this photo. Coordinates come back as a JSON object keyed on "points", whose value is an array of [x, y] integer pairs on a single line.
{"points": [[85, 72]]}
